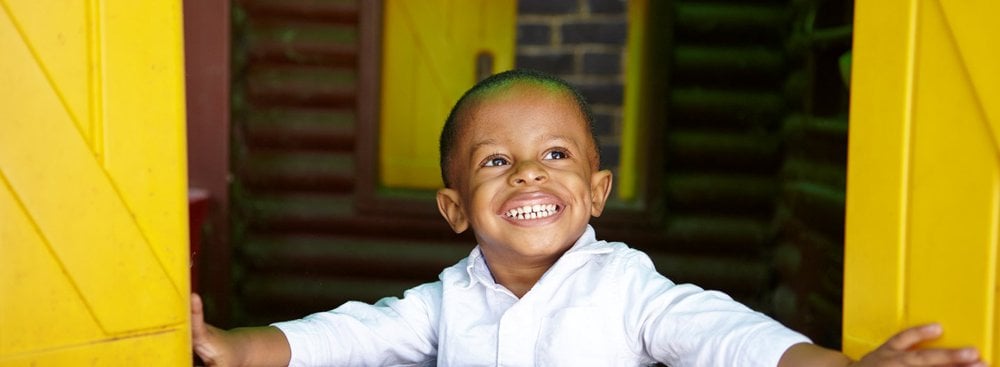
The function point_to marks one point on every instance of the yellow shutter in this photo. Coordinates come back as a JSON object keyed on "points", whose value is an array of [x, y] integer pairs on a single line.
{"points": [[93, 213], [429, 57], [923, 172]]}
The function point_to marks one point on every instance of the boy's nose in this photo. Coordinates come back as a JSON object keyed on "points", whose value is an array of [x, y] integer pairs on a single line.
{"points": [[528, 173]]}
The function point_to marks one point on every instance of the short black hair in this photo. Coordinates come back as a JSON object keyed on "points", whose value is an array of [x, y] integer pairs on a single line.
{"points": [[449, 133]]}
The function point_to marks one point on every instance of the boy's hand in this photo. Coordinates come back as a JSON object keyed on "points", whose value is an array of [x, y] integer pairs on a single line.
{"points": [[208, 341], [900, 350], [249, 346]]}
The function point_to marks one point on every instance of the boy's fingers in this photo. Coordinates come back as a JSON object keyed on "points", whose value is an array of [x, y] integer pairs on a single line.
{"points": [[937, 357], [196, 306], [197, 316], [909, 338]]}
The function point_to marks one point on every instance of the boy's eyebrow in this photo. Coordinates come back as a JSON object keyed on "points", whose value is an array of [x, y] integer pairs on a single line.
{"points": [[545, 138], [482, 143], [557, 137]]}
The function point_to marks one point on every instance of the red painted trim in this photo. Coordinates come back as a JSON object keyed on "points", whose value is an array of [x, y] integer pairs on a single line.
{"points": [[207, 59]]}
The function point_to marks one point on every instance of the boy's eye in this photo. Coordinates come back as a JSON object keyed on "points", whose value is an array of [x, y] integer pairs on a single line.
{"points": [[556, 154], [495, 161]]}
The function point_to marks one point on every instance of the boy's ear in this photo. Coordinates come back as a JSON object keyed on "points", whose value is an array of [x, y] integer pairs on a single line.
{"points": [[600, 188], [449, 204]]}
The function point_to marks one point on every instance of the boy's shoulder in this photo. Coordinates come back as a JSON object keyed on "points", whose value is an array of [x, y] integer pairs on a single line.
{"points": [[613, 251], [462, 271]]}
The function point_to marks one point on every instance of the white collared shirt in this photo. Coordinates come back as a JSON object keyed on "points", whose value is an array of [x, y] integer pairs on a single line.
{"points": [[600, 304]]}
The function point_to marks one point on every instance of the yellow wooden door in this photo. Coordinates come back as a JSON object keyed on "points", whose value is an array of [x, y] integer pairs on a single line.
{"points": [[430, 54], [93, 215], [923, 173]]}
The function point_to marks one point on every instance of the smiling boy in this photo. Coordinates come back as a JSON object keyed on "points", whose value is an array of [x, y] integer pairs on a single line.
{"points": [[524, 176], [520, 166]]}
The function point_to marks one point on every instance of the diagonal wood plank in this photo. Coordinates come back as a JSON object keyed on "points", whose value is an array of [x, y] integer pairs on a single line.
{"points": [[59, 40], [973, 28], [28, 262]]}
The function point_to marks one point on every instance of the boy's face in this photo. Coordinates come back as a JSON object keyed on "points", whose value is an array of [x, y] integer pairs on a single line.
{"points": [[524, 175]]}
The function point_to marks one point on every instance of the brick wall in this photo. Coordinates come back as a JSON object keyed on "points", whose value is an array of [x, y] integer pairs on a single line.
{"points": [[582, 41]]}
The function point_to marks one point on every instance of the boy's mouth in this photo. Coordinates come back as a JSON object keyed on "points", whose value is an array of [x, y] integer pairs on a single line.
{"points": [[535, 211]]}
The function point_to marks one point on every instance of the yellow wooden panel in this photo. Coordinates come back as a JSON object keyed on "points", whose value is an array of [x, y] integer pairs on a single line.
{"points": [[429, 60], [973, 28], [927, 234], [74, 204], [95, 223], [953, 217], [144, 123], [877, 172]]}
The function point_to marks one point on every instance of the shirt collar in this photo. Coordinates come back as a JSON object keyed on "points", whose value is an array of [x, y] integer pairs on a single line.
{"points": [[477, 269], [587, 244]]}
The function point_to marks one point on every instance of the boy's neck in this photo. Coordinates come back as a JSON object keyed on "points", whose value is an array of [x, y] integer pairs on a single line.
{"points": [[517, 280], [518, 276]]}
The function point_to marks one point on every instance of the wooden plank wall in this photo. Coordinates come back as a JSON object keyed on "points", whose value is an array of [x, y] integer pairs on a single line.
{"points": [[301, 242], [810, 218], [722, 148]]}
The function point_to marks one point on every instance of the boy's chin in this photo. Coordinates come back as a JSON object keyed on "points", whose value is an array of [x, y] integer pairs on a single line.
{"points": [[534, 237], [540, 245]]}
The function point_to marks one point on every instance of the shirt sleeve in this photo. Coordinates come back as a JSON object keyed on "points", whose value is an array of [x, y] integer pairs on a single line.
{"points": [[685, 325], [392, 331]]}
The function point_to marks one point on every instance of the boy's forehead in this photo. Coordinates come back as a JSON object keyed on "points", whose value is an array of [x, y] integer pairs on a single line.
{"points": [[502, 99]]}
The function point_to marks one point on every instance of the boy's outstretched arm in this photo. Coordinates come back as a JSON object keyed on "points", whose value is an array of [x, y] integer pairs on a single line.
{"points": [[900, 350], [252, 346]]}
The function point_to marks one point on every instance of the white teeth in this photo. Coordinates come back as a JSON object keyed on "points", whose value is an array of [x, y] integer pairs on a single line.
{"points": [[532, 211]]}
